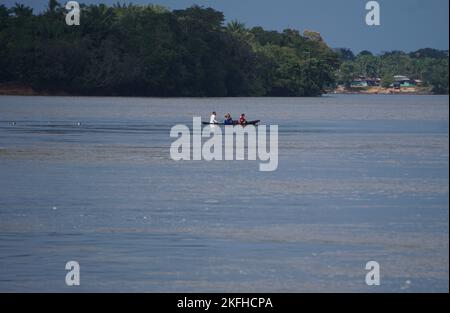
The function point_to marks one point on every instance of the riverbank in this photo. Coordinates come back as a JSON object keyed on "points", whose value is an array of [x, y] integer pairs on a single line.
{"points": [[384, 91], [16, 89], [19, 89]]}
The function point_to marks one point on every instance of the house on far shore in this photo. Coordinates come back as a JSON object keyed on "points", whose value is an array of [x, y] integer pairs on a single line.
{"points": [[418, 82], [362, 82], [403, 81], [372, 85]]}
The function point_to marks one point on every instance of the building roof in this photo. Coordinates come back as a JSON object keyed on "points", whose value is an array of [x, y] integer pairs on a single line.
{"points": [[400, 77]]}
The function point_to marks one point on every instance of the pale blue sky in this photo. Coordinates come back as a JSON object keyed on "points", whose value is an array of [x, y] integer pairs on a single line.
{"points": [[405, 24]]}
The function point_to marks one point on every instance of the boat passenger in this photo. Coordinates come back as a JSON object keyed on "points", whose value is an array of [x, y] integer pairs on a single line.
{"points": [[228, 120], [212, 119], [242, 119]]}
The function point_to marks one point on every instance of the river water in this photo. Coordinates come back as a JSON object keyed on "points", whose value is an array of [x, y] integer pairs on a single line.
{"points": [[360, 178]]}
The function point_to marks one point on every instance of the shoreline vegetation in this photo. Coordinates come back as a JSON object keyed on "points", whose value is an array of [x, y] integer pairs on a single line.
{"points": [[18, 89], [151, 51]]}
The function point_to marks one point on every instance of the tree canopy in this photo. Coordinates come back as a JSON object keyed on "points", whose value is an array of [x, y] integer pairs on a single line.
{"points": [[149, 50], [428, 65]]}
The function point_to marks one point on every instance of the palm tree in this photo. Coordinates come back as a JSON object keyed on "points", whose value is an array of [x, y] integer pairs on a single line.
{"points": [[239, 30], [236, 27], [21, 10], [53, 5]]}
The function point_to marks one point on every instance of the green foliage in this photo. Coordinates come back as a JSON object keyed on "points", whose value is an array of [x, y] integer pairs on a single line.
{"points": [[429, 53], [437, 76], [147, 50], [368, 65], [365, 53], [344, 54], [387, 79], [347, 72], [428, 65]]}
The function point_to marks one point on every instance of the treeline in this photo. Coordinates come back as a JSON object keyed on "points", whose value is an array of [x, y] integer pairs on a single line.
{"points": [[132, 50], [148, 50], [428, 65]]}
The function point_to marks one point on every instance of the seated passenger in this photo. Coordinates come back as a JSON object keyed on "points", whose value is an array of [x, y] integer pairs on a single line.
{"points": [[228, 120], [242, 119]]}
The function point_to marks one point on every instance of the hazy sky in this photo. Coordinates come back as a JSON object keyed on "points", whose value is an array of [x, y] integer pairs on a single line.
{"points": [[405, 24]]}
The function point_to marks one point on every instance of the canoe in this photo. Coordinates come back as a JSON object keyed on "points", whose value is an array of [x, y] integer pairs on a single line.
{"points": [[235, 123]]}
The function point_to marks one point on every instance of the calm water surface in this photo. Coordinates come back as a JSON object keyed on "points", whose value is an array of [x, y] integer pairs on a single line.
{"points": [[360, 178]]}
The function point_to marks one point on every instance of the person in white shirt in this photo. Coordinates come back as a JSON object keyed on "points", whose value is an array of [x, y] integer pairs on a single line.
{"points": [[212, 119]]}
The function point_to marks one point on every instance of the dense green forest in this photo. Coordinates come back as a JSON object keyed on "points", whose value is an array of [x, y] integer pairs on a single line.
{"points": [[132, 50]]}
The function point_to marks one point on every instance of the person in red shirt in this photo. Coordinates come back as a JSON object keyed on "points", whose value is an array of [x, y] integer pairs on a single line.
{"points": [[242, 119]]}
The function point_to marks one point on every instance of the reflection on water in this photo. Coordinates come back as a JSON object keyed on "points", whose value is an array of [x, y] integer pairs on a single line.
{"points": [[91, 179]]}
